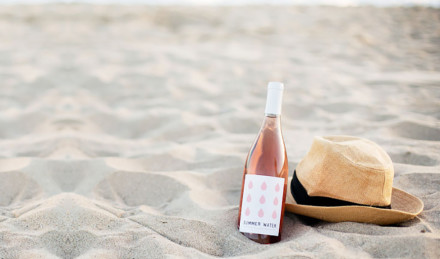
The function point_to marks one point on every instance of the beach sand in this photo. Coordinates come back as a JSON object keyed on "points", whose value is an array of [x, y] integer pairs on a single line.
{"points": [[124, 129]]}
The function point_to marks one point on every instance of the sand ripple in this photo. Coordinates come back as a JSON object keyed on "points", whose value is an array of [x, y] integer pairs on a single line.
{"points": [[124, 130]]}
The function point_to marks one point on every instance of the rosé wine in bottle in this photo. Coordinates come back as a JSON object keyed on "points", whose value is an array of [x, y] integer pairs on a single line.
{"points": [[263, 191]]}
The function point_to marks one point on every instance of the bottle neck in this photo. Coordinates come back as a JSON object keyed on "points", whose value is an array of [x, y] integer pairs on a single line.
{"points": [[272, 121]]}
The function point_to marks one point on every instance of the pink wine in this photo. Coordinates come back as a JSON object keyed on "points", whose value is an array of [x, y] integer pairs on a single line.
{"points": [[263, 191]]}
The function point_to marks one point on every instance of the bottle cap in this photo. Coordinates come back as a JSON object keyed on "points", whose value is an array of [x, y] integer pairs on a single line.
{"points": [[274, 98]]}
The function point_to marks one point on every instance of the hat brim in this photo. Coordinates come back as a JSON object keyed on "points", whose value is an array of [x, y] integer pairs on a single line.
{"points": [[404, 206]]}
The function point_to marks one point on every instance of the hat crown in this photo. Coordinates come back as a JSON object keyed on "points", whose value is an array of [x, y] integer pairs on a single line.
{"points": [[359, 151], [347, 168]]}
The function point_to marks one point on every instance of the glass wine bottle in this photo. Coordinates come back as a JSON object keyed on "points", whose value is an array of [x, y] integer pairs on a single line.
{"points": [[264, 185]]}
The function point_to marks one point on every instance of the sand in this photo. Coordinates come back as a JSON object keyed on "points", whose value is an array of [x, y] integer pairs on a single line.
{"points": [[124, 129]]}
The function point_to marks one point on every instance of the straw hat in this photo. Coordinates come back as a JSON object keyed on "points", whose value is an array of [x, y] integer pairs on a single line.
{"points": [[345, 178]]}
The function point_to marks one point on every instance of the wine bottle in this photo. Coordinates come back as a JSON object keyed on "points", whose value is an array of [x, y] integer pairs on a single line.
{"points": [[264, 185]]}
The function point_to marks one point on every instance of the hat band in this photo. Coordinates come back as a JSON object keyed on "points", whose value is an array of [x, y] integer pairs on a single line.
{"points": [[300, 195]]}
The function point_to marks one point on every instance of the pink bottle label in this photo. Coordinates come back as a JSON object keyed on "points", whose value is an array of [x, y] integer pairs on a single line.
{"points": [[261, 210]]}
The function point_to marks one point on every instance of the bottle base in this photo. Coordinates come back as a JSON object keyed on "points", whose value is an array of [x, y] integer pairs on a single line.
{"points": [[262, 239]]}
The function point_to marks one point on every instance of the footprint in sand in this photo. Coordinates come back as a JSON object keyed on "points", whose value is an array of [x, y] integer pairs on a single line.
{"points": [[413, 130], [134, 189]]}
